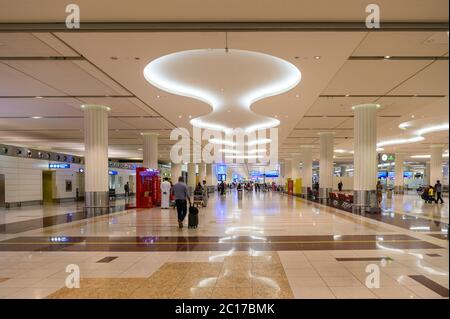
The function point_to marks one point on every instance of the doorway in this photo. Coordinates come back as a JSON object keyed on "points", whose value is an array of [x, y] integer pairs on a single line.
{"points": [[80, 186], [2, 190], [47, 187]]}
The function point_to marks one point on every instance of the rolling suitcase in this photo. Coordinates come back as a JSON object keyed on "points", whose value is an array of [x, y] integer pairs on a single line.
{"points": [[193, 217]]}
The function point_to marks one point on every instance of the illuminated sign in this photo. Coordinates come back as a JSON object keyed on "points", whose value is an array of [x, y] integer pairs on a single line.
{"points": [[221, 169], [112, 172], [387, 157], [272, 174], [58, 166]]}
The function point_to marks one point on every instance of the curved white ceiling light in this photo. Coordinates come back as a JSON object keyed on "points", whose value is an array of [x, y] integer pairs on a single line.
{"points": [[243, 156], [430, 129], [231, 143], [427, 156], [418, 133], [229, 81], [400, 141]]}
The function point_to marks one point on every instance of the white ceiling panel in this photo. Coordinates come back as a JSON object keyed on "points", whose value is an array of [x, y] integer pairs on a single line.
{"points": [[39, 107], [336, 105], [320, 122], [24, 45], [122, 106], [42, 124], [145, 123], [403, 44], [376, 77], [398, 106], [64, 76], [15, 83], [433, 80]]}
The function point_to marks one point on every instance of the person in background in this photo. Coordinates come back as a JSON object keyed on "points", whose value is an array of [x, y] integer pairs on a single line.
{"points": [[222, 188], [438, 190], [431, 195], [205, 194], [340, 185], [181, 194], [379, 193], [165, 194], [198, 189], [126, 187]]}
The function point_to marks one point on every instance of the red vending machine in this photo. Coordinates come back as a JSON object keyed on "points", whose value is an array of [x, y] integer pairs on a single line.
{"points": [[148, 188]]}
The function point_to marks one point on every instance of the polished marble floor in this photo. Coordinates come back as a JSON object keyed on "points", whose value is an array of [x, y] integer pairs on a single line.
{"points": [[267, 245]]}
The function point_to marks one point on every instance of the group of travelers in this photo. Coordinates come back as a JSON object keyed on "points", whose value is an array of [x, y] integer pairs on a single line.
{"points": [[432, 194]]}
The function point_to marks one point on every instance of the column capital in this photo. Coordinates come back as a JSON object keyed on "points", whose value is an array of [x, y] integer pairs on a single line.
{"points": [[149, 134], [437, 146], [95, 106], [325, 133], [366, 106]]}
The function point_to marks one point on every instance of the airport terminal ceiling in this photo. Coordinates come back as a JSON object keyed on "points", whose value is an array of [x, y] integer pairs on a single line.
{"points": [[339, 69]]}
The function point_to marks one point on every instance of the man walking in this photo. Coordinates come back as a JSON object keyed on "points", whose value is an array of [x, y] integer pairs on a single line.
{"points": [[181, 194], [127, 190], [165, 193], [438, 190]]}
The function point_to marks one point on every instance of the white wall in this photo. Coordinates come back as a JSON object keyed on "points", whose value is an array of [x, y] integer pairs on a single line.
{"points": [[59, 182], [23, 179]]}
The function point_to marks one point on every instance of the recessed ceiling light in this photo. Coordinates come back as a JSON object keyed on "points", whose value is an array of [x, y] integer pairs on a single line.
{"points": [[179, 116], [39, 97], [347, 95], [297, 95], [190, 116], [276, 116], [387, 57], [317, 57], [36, 117], [158, 96], [412, 116]]}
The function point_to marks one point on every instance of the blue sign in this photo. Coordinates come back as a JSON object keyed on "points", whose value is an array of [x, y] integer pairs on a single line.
{"points": [[408, 174], [112, 172], [382, 174], [221, 169], [272, 174], [58, 166]]}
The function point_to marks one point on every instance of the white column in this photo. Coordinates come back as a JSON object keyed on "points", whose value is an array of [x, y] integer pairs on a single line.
{"points": [[426, 174], [287, 170], [96, 156], [175, 172], [326, 164], [398, 182], [307, 168], [202, 172], [436, 164], [296, 167], [150, 150], [191, 176], [365, 156], [214, 176], [209, 175]]}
